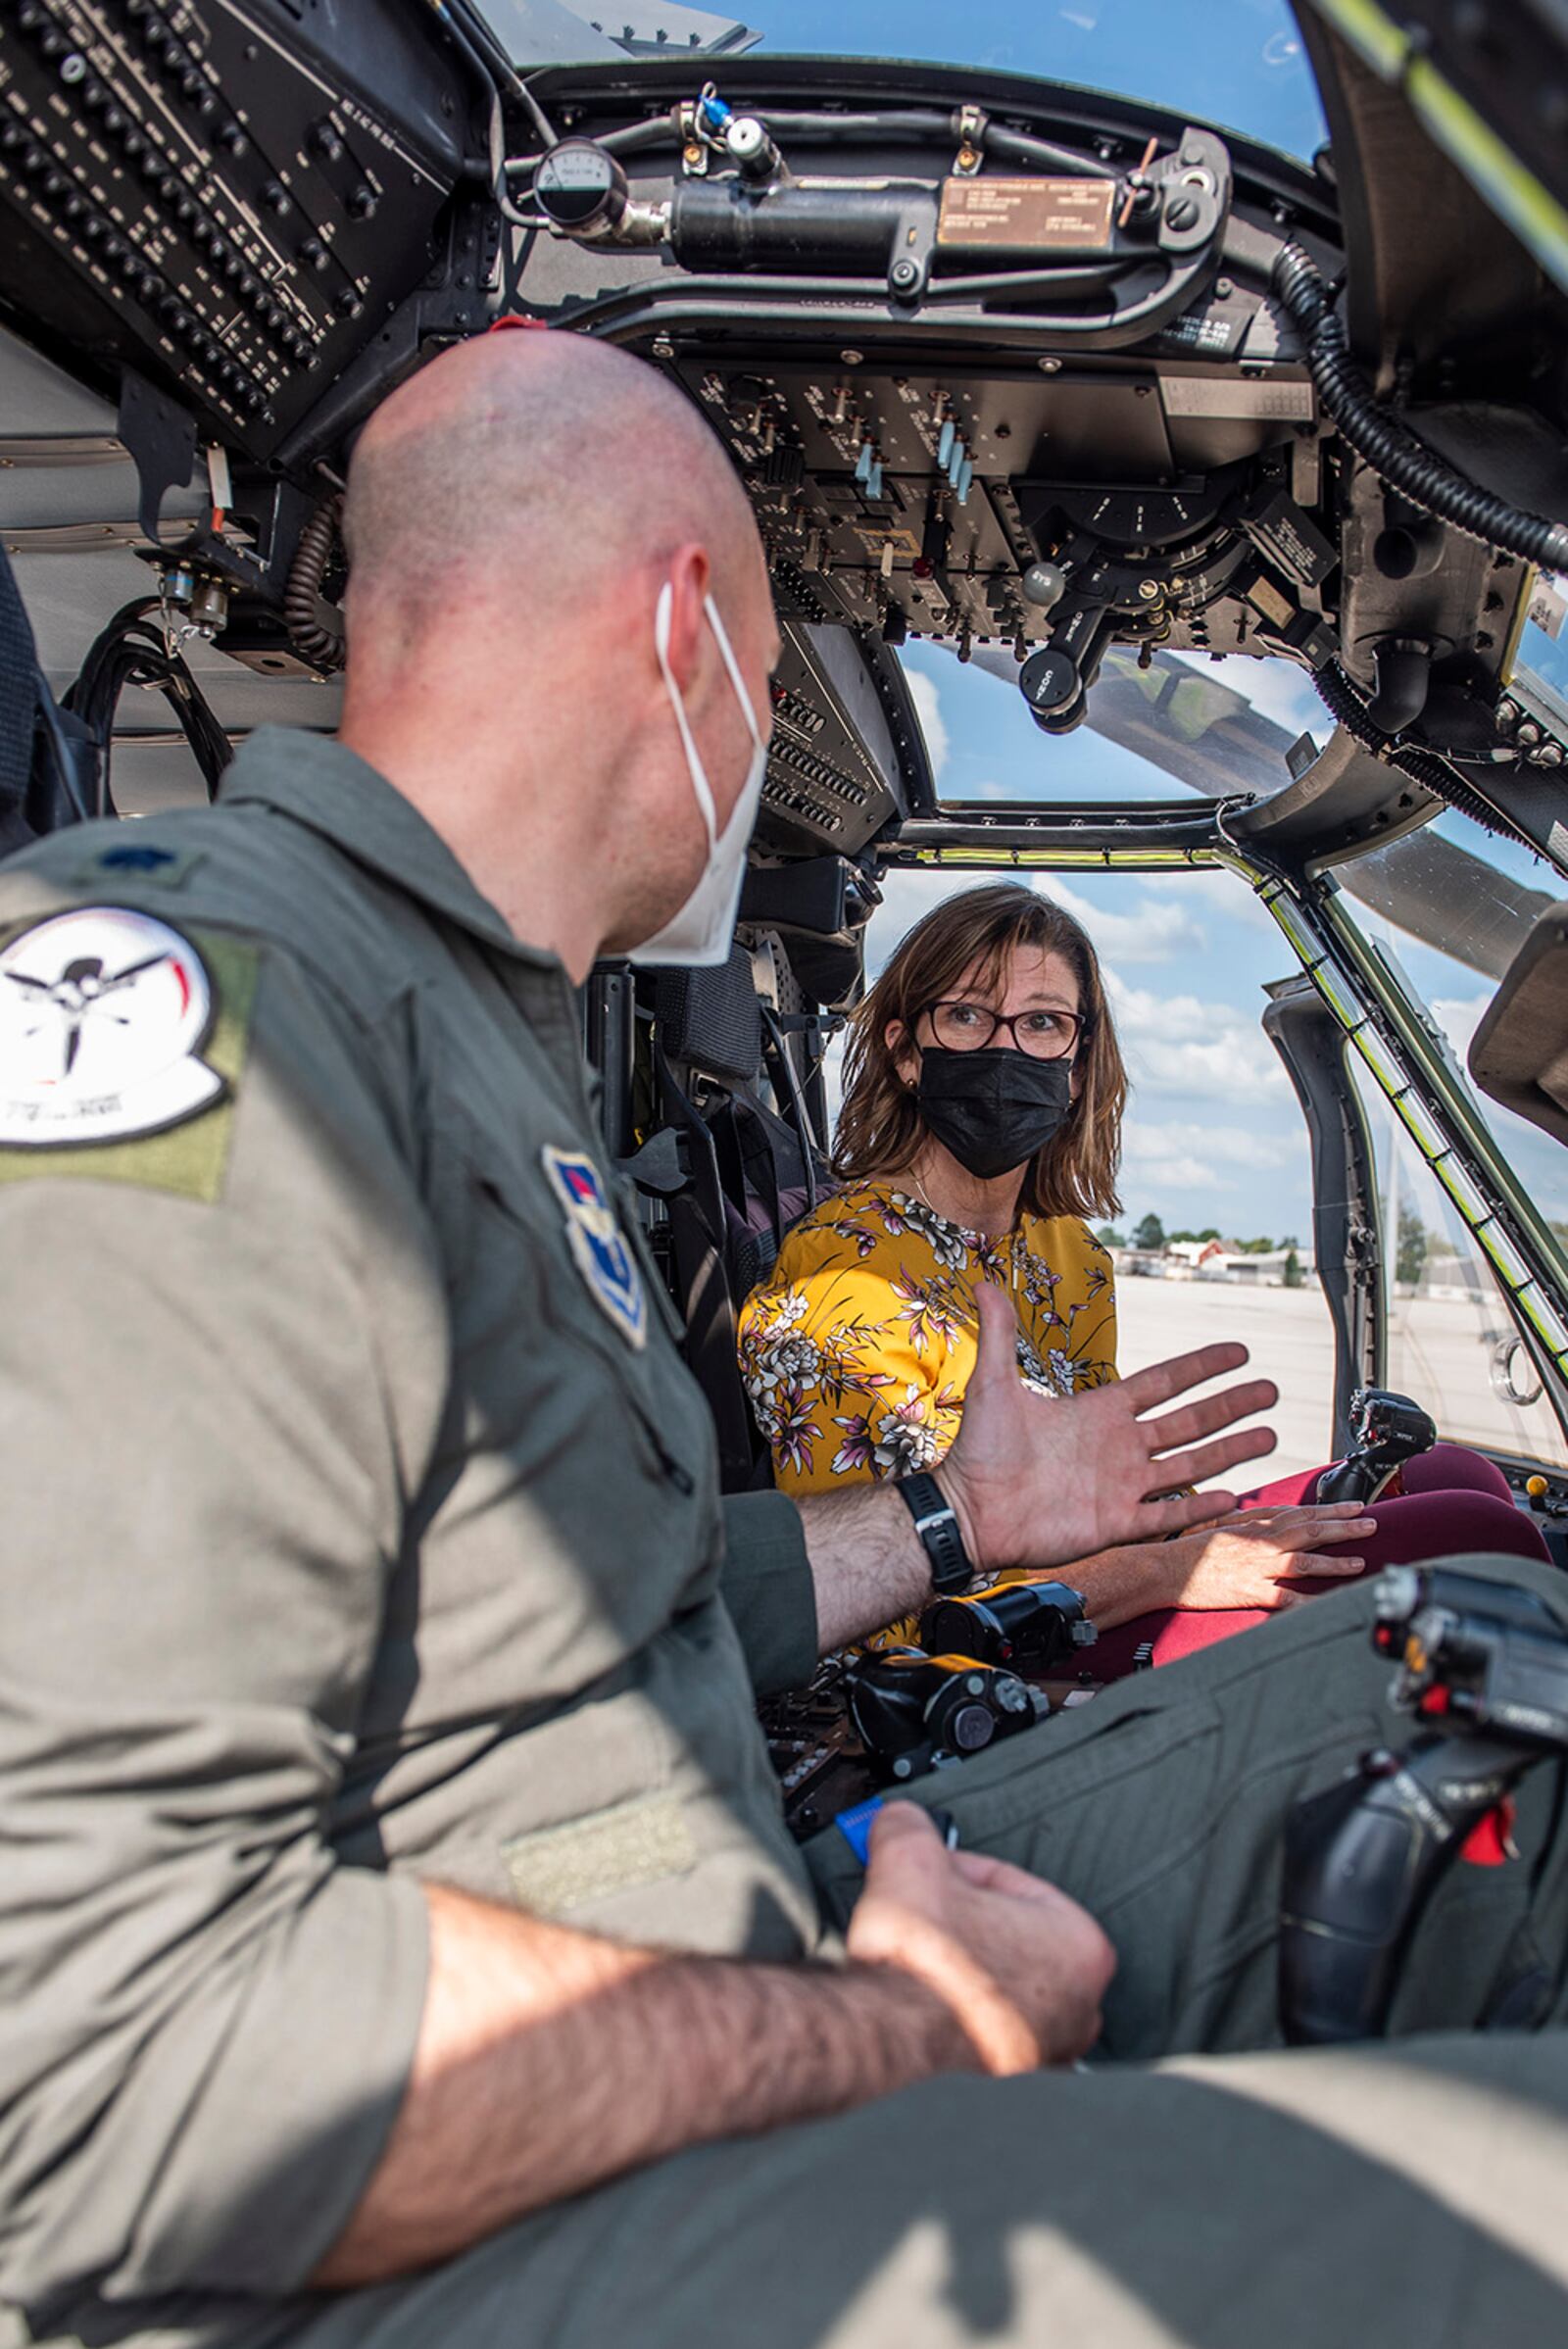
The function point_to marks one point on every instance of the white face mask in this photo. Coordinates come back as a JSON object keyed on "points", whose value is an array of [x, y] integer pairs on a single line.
{"points": [[701, 933]]}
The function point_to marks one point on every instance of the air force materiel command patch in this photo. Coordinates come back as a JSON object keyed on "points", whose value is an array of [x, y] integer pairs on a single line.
{"points": [[598, 1242], [103, 1016]]}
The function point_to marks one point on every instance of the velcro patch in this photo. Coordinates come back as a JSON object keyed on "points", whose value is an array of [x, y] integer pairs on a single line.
{"points": [[120, 1042], [557, 1869]]}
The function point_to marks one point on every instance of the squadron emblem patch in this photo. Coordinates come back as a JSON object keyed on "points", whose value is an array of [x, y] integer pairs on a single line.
{"points": [[598, 1242], [103, 1016]]}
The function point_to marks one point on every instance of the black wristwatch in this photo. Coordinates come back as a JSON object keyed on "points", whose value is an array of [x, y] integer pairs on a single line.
{"points": [[938, 1529]]}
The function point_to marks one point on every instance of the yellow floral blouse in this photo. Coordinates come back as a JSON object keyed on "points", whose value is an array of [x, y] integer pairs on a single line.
{"points": [[858, 1349]]}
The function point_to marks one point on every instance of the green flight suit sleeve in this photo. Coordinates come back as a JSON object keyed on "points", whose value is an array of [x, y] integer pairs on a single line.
{"points": [[222, 1366], [768, 1589]]}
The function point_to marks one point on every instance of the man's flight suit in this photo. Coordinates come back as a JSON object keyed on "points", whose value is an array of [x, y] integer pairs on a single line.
{"points": [[362, 1527]]}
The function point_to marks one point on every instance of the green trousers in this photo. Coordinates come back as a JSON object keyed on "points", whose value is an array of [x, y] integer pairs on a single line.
{"points": [[1199, 2184]]}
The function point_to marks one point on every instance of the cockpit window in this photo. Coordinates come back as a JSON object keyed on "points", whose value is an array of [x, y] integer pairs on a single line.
{"points": [[1235, 62], [1449, 929], [1183, 724]]}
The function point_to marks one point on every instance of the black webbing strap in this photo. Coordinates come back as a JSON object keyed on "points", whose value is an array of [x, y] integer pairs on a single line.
{"points": [[19, 709]]}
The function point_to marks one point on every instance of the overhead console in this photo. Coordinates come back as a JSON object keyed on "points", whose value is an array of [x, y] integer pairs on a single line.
{"points": [[1020, 378], [1009, 366], [221, 196]]}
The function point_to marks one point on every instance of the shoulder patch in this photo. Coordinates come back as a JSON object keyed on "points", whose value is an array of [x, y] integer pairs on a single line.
{"points": [[599, 1246], [121, 1038]]}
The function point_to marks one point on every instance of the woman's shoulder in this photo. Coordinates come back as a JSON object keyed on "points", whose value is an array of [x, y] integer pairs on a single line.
{"points": [[1065, 1235], [856, 1217]]}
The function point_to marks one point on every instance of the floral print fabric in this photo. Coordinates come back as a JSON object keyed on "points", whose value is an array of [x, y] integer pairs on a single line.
{"points": [[858, 1349]]}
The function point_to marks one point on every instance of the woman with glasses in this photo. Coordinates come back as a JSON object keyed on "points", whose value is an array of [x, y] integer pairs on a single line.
{"points": [[980, 1124]]}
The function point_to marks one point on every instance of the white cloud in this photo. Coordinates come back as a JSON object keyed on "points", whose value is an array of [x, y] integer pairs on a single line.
{"points": [[1459, 1017], [1153, 928], [928, 710], [1201, 1050], [1158, 1148], [1182, 1173]]}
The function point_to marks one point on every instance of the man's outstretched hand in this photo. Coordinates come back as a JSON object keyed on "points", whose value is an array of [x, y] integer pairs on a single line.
{"points": [[1038, 1481]]}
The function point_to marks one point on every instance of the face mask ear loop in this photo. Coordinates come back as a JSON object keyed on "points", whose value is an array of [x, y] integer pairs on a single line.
{"points": [[700, 782], [728, 654]]}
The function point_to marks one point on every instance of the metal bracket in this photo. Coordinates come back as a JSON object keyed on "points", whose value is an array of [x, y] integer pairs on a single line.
{"points": [[694, 148], [971, 128], [160, 437]]}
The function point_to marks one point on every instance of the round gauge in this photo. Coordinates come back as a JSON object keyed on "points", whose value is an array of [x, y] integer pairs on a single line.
{"points": [[577, 186]]}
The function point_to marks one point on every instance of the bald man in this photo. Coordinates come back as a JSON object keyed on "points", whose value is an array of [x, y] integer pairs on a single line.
{"points": [[398, 1939]]}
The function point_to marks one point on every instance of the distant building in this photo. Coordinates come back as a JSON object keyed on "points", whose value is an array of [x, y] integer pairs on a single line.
{"points": [[1212, 1261]]}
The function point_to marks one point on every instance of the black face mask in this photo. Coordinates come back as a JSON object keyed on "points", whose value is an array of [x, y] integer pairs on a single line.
{"points": [[993, 1109]]}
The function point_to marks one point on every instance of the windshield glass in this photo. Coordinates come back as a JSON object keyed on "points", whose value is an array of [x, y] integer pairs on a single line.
{"points": [[1237, 63], [1478, 895], [1185, 724]]}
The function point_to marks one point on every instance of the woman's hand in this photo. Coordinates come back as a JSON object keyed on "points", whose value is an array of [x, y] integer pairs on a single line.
{"points": [[1249, 1558]]}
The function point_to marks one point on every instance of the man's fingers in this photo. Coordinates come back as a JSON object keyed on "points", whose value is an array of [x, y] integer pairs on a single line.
{"points": [[903, 1827], [1181, 1513], [996, 1356], [1311, 1561], [1194, 1421], [983, 1873], [1162, 1380], [1216, 1459]]}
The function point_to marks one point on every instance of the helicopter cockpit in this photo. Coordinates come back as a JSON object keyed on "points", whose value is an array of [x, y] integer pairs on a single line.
{"points": [[1073, 398]]}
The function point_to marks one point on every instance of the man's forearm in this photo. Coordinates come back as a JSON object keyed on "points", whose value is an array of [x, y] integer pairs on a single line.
{"points": [[867, 1564], [551, 2060]]}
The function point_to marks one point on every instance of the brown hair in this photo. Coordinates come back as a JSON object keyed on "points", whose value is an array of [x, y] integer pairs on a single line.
{"points": [[880, 1128]]}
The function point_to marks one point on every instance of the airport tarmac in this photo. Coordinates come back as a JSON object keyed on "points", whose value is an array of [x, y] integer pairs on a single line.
{"points": [[1442, 1351]]}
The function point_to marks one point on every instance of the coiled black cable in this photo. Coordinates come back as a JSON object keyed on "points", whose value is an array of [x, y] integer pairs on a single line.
{"points": [[133, 650], [1388, 446], [1347, 708], [323, 647]]}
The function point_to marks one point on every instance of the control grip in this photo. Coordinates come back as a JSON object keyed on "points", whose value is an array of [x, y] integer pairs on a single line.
{"points": [[1361, 1862]]}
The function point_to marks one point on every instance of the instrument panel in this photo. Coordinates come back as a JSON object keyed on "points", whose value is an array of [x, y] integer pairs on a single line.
{"points": [[228, 198]]}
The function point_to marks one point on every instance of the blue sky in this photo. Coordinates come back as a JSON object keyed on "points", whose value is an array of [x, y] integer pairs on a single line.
{"points": [[1214, 1136], [1234, 62]]}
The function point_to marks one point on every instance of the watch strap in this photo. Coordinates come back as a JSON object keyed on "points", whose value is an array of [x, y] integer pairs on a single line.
{"points": [[940, 1537]]}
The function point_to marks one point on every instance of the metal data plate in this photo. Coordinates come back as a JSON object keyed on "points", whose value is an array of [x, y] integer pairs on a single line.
{"points": [[1026, 215]]}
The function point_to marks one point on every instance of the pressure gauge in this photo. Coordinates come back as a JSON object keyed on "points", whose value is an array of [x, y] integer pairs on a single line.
{"points": [[579, 188]]}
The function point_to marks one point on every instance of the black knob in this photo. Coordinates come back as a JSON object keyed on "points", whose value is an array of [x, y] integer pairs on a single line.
{"points": [[230, 136], [350, 302], [363, 202], [315, 253], [275, 197], [327, 142]]}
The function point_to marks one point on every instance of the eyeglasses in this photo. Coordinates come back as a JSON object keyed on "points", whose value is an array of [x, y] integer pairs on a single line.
{"points": [[964, 1027]]}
